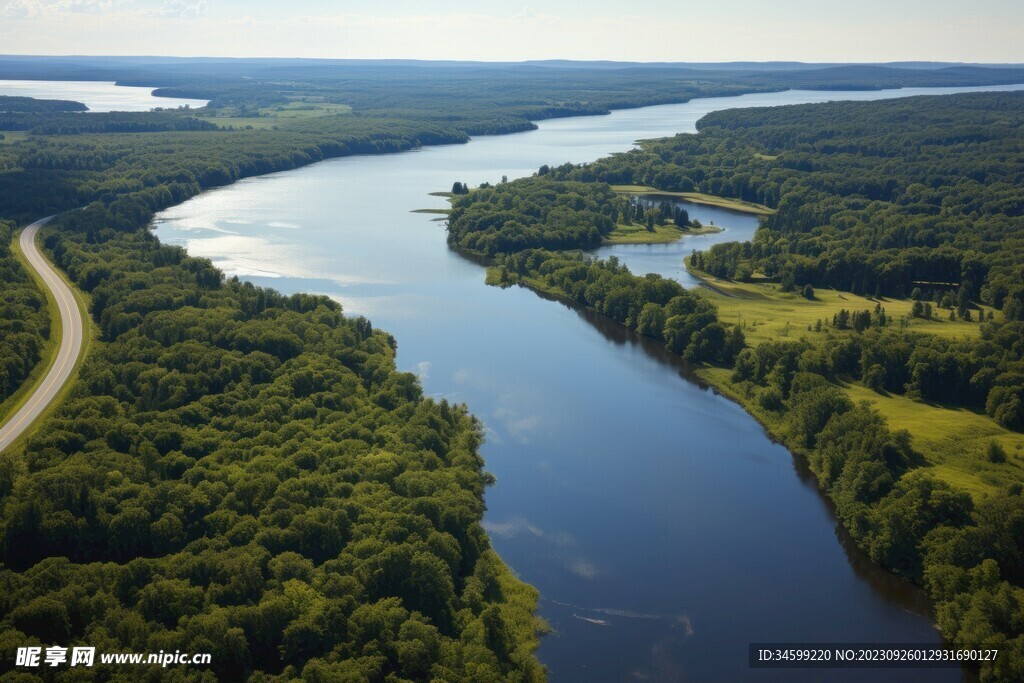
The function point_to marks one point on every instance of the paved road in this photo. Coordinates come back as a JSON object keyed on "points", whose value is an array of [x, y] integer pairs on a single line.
{"points": [[70, 342]]}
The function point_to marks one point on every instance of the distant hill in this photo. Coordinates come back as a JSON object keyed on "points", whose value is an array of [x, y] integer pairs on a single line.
{"points": [[366, 84]]}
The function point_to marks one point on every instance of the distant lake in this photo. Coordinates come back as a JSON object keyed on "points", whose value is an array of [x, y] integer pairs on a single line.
{"points": [[663, 527], [97, 95]]}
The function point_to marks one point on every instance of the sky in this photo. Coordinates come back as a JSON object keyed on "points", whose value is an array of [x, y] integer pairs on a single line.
{"points": [[633, 30]]}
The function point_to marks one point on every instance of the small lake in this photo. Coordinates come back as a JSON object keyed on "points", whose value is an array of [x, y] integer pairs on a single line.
{"points": [[662, 526], [99, 96]]}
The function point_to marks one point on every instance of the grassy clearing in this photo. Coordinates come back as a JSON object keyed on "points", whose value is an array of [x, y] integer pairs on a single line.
{"points": [[663, 234], [441, 212], [277, 115], [10, 136], [696, 198], [954, 440], [765, 312], [50, 351]]}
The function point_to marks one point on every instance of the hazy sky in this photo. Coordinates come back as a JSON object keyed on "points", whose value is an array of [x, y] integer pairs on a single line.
{"points": [[641, 30]]}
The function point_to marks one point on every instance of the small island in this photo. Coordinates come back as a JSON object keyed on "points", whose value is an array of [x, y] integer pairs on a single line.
{"points": [[589, 215], [642, 222]]}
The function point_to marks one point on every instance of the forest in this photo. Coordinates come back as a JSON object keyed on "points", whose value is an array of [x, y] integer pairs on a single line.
{"points": [[103, 122], [534, 213], [523, 222], [918, 197], [11, 104]]}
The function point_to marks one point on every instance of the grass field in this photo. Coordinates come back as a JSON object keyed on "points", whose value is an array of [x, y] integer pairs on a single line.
{"points": [[765, 312], [277, 115], [638, 234], [12, 136], [954, 440], [696, 198]]}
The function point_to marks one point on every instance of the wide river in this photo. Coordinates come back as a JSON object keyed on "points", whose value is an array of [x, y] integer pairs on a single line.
{"points": [[663, 527], [99, 96]]}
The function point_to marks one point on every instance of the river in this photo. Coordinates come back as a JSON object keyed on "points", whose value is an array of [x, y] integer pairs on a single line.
{"points": [[662, 526], [99, 96]]}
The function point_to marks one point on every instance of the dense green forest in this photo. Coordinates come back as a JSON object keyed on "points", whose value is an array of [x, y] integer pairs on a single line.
{"points": [[129, 175], [24, 318], [922, 194], [531, 213], [104, 122], [12, 104]]}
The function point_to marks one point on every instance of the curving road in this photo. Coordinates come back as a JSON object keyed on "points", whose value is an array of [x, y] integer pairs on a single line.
{"points": [[70, 342]]}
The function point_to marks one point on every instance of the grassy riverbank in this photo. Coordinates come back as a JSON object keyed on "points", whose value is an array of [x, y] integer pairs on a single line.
{"points": [[953, 439], [766, 313]]}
